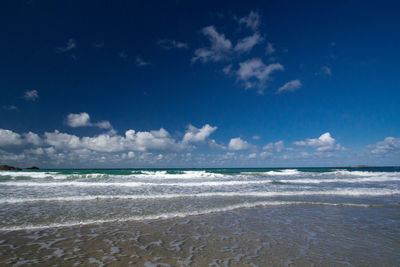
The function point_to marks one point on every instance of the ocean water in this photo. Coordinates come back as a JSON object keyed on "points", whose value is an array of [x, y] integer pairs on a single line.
{"points": [[255, 210]]}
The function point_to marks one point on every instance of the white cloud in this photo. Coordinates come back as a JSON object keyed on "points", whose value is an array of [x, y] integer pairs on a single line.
{"points": [[251, 21], [171, 44], [252, 156], [237, 144], [269, 49], [62, 140], [212, 144], [256, 137], [71, 44], [194, 134], [151, 141], [32, 138], [31, 95], [290, 86], [324, 143], [8, 138], [254, 73], [78, 120], [265, 154], [83, 120], [141, 63], [219, 46], [388, 145], [158, 140], [246, 44], [277, 146]]}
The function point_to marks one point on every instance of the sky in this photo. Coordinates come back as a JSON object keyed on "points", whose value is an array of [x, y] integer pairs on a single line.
{"points": [[138, 84]]}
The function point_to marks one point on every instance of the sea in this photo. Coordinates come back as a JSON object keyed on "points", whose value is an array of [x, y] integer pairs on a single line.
{"points": [[201, 217]]}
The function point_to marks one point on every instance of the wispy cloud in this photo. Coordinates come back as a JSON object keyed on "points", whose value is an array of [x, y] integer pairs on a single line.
{"points": [[270, 49], [218, 49], [31, 95], [10, 107], [227, 69], [254, 73], [277, 146], [390, 145], [290, 86], [168, 44], [251, 21], [326, 70], [70, 45], [246, 44], [140, 62]]}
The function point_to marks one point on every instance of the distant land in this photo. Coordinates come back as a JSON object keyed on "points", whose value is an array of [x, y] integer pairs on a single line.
{"points": [[12, 168]]}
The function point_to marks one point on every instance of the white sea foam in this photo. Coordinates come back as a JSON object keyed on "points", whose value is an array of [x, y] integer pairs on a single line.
{"points": [[34, 175], [287, 172], [202, 174], [179, 214], [343, 180], [337, 192], [129, 183]]}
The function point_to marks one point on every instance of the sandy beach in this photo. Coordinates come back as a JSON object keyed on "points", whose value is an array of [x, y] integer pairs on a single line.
{"points": [[300, 235]]}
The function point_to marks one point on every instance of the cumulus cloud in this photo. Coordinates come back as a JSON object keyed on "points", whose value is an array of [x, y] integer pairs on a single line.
{"points": [[83, 120], [8, 138], [251, 21], [194, 134], [387, 146], [324, 143], [237, 144], [31, 95], [254, 73], [70, 45], [219, 46], [32, 138], [246, 44], [290, 86], [158, 140], [172, 44]]}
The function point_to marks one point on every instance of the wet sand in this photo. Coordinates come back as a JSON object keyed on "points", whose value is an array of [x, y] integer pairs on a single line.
{"points": [[262, 236]]}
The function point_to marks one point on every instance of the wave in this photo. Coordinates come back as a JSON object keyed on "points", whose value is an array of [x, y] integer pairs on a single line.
{"points": [[182, 214], [342, 180], [338, 192], [200, 183]]}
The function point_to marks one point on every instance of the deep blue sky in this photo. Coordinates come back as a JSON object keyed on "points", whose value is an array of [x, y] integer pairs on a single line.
{"points": [[109, 59]]}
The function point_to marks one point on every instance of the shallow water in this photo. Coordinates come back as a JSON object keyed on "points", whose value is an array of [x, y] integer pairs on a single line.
{"points": [[181, 217]]}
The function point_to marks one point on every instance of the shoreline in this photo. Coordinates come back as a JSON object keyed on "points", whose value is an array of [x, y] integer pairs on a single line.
{"points": [[257, 236]]}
